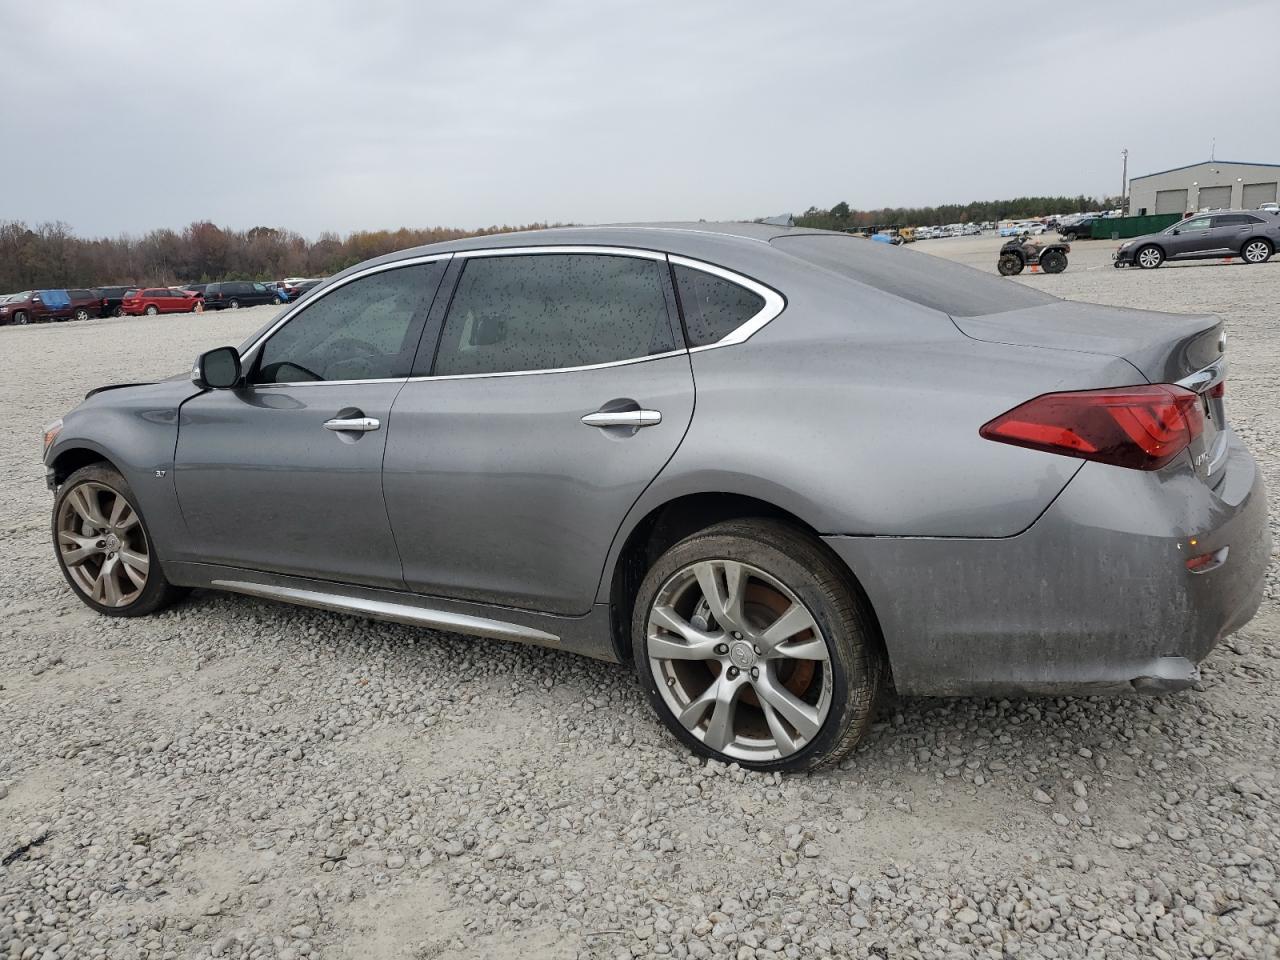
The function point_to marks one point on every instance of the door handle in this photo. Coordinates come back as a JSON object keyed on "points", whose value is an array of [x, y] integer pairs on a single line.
{"points": [[354, 424], [623, 418]]}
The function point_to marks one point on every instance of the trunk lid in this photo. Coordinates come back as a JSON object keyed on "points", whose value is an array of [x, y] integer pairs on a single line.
{"points": [[1162, 347]]}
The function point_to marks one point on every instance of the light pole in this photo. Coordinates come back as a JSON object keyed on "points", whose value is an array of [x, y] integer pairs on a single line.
{"points": [[1124, 182]]}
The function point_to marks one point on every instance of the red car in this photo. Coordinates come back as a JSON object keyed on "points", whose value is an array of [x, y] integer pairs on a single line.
{"points": [[153, 300]]}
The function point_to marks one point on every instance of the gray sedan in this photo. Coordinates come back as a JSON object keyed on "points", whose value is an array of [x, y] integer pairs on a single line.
{"points": [[1251, 235], [775, 469]]}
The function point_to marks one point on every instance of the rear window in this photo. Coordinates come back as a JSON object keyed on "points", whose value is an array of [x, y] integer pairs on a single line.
{"points": [[713, 307], [921, 278]]}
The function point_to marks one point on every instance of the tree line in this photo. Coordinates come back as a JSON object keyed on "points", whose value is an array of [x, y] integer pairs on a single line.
{"points": [[843, 217], [49, 255]]}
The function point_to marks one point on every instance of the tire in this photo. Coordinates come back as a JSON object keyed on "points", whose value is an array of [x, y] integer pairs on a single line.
{"points": [[1068, 237], [234, 304], [1054, 261], [20, 317], [1149, 257], [828, 682], [82, 314], [1256, 250], [1009, 265], [151, 310], [84, 546], [118, 312]]}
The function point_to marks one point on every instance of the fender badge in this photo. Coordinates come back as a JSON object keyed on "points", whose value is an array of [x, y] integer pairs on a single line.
{"points": [[159, 474]]}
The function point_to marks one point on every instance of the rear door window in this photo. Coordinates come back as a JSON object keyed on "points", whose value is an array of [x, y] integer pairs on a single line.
{"points": [[552, 311], [712, 306]]}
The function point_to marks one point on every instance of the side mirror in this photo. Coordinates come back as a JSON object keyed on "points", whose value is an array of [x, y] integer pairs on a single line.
{"points": [[218, 369], [1176, 231]]}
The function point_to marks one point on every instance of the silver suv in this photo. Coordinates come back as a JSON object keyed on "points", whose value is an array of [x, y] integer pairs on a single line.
{"points": [[1252, 235]]}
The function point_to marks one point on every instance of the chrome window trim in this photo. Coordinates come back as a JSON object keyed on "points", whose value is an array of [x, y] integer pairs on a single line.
{"points": [[577, 248], [533, 373], [298, 307], [774, 303]]}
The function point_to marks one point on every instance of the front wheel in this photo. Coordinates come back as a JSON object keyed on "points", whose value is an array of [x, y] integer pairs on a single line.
{"points": [[1069, 237], [1010, 265], [1256, 251], [152, 310], [753, 646], [104, 547], [1148, 258], [21, 318], [82, 314]]}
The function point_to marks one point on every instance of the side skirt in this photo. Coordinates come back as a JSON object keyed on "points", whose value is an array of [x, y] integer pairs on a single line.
{"points": [[587, 635]]}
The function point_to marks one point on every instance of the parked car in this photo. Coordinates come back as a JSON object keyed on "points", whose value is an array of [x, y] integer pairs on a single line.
{"points": [[36, 306], [1248, 234], [85, 303], [925, 233], [508, 426], [1270, 207], [195, 287], [233, 294], [154, 300], [303, 287], [1080, 229], [110, 300]]}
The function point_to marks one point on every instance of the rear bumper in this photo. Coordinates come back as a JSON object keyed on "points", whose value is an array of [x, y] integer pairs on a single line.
{"points": [[1094, 597]]}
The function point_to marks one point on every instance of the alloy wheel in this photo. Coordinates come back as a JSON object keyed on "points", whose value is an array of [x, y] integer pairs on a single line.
{"points": [[102, 544], [1149, 257], [1257, 252], [739, 660]]}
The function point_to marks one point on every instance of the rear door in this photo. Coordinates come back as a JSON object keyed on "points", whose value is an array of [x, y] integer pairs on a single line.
{"points": [[284, 474], [560, 389]]}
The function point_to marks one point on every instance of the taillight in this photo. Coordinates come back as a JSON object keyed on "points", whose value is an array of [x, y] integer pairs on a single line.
{"points": [[1219, 390], [1141, 427]]}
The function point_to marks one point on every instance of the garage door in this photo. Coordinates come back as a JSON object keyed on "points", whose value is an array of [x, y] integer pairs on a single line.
{"points": [[1215, 198], [1171, 201], [1256, 194]]}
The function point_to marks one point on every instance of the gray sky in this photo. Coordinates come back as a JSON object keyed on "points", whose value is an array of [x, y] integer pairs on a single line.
{"points": [[124, 116]]}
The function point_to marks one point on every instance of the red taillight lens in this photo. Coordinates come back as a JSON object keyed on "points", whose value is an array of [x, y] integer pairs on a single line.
{"points": [[1142, 427]]}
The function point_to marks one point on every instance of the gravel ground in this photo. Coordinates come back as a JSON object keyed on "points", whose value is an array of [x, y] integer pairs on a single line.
{"points": [[235, 778]]}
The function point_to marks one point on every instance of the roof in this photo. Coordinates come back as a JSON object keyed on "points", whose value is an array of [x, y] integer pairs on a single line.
{"points": [[1201, 163], [698, 240]]}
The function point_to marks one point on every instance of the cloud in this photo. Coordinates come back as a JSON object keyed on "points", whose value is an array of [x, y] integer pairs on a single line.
{"points": [[133, 115]]}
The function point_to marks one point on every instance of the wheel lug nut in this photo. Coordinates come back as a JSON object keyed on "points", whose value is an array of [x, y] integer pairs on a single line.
{"points": [[733, 673], [721, 649], [736, 635], [757, 650], [755, 673]]}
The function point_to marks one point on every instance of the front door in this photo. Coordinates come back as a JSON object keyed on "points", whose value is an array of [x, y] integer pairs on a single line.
{"points": [[560, 389], [284, 474], [1192, 239]]}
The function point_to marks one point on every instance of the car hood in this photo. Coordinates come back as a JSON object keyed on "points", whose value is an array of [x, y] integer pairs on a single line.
{"points": [[179, 384]]}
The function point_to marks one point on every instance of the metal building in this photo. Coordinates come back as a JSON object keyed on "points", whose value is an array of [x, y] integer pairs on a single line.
{"points": [[1211, 185]]}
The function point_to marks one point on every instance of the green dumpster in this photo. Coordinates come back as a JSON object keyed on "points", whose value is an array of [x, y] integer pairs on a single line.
{"points": [[1121, 228]]}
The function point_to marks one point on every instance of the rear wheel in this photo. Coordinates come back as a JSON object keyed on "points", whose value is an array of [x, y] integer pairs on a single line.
{"points": [[1256, 251], [754, 647], [1149, 257], [1010, 265], [1054, 261], [1069, 237], [118, 312], [234, 304], [151, 310], [104, 547]]}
